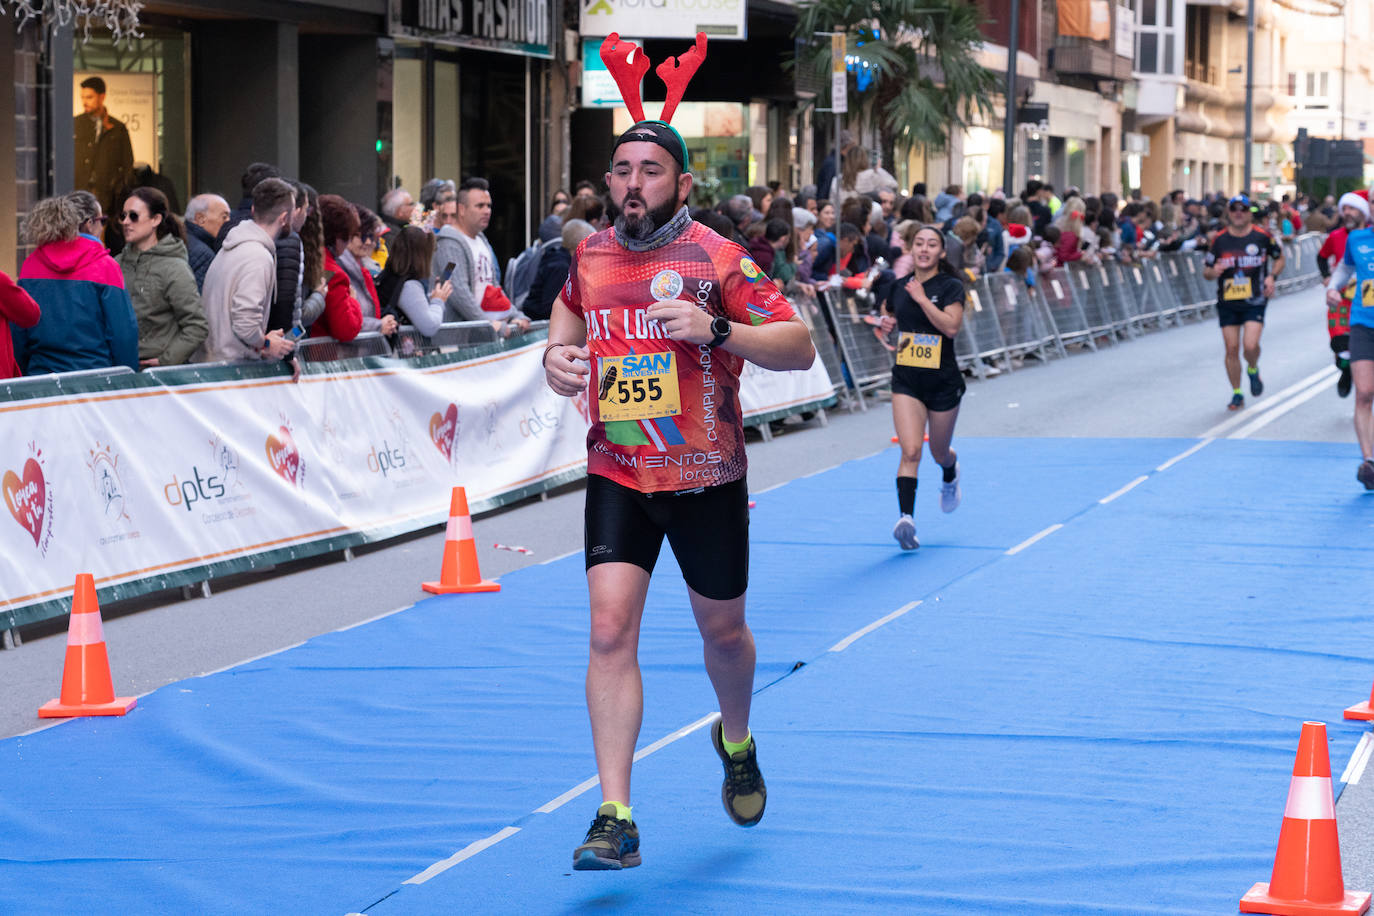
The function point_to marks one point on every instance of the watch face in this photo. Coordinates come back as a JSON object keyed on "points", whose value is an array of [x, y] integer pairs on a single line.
{"points": [[720, 325]]}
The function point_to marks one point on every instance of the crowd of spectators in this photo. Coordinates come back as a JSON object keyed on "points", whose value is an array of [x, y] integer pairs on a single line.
{"points": [[251, 281]]}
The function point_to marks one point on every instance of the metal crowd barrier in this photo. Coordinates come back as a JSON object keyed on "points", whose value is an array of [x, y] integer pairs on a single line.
{"points": [[808, 307], [866, 353], [980, 339], [328, 350], [1026, 330], [18, 387], [1054, 291]]}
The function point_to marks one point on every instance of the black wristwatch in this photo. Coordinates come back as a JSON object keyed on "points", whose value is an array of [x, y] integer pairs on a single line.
{"points": [[720, 326]]}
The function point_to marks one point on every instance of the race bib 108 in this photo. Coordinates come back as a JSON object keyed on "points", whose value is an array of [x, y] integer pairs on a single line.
{"points": [[920, 351]]}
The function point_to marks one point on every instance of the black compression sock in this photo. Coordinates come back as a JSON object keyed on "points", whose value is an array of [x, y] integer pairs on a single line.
{"points": [[949, 471], [906, 495]]}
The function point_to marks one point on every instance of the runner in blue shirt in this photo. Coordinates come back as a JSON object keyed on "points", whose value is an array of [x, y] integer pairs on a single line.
{"points": [[1358, 262]]}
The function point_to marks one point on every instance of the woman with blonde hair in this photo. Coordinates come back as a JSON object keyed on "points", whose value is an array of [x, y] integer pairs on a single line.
{"points": [[87, 321], [1070, 225]]}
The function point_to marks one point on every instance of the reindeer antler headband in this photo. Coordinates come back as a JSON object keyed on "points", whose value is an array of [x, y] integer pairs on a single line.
{"points": [[628, 64]]}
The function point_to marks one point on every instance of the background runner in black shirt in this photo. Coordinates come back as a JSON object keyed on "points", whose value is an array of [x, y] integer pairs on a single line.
{"points": [[1238, 259], [926, 308]]}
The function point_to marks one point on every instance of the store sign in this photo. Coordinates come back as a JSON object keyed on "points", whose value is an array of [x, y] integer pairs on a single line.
{"points": [[839, 80], [510, 26], [130, 98], [598, 86], [664, 18], [1125, 31]]}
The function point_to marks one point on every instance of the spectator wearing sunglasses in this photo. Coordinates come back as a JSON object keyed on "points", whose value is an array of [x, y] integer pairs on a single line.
{"points": [[171, 321], [93, 219]]}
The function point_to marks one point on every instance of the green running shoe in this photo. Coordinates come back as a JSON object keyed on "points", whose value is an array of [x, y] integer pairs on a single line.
{"points": [[611, 843], [743, 792]]}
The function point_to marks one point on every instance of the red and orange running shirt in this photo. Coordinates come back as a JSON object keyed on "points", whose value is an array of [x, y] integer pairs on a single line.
{"points": [[665, 414]]}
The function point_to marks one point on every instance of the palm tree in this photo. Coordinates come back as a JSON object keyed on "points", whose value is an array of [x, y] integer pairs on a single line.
{"points": [[923, 80]]}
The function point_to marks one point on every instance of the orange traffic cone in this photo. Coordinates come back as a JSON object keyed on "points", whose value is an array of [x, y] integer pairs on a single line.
{"points": [[87, 688], [1307, 868], [459, 572], [1362, 710]]}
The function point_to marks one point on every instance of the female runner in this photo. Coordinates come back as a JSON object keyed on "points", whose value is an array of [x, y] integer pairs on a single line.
{"points": [[927, 386]]}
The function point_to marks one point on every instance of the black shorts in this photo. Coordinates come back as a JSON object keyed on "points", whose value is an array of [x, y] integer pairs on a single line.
{"points": [[707, 529], [1361, 342], [938, 389], [1230, 314]]}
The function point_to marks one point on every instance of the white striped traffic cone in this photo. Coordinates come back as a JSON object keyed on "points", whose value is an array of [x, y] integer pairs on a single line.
{"points": [[459, 572]]}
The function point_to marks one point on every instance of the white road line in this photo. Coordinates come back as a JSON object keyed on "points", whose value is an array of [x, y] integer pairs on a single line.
{"points": [[1033, 538], [1355, 768], [1124, 490], [373, 619], [1268, 404], [1256, 425], [678, 735], [567, 796], [864, 631], [1181, 455], [255, 658], [467, 852]]}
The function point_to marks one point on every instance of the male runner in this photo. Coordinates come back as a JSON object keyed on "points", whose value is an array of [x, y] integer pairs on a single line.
{"points": [[1239, 260], [1354, 214], [666, 311], [1358, 262]]}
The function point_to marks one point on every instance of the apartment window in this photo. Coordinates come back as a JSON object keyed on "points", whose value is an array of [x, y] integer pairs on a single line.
{"points": [[1157, 35], [1197, 33], [1311, 89]]}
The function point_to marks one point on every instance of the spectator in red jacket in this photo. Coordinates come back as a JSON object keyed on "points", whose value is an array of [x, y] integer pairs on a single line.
{"points": [[342, 318], [17, 307], [1068, 249]]}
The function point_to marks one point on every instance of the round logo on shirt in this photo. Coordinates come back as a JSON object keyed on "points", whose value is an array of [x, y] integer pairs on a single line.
{"points": [[1252, 249], [667, 284], [750, 269]]}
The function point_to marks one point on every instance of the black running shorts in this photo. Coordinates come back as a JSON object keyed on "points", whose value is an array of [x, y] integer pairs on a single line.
{"points": [[1229, 314], [1361, 343], [938, 390], [708, 530]]}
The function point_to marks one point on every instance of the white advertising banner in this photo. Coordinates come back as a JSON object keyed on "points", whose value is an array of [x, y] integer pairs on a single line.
{"points": [[141, 483], [664, 18]]}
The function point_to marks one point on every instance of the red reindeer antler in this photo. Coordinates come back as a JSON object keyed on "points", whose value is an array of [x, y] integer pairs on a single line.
{"points": [[676, 73], [628, 65]]}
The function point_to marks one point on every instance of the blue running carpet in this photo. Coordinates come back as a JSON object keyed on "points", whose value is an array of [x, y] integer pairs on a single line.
{"points": [[1104, 721]]}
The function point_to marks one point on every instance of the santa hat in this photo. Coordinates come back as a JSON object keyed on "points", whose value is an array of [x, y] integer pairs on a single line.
{"points": [[1018, 231], [1356, 201]]}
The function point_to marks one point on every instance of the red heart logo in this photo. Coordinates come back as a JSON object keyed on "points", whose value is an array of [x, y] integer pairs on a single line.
{"points": [[27, 498], [443, 429], [283, 455]]}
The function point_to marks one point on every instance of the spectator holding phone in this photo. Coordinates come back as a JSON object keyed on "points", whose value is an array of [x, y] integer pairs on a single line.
{"points": [[242, 280], [477, 291], [402, 282]]}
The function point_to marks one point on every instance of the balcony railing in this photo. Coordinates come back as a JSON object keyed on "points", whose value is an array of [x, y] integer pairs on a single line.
{"points": [[1085, 57], [1200, 71]]}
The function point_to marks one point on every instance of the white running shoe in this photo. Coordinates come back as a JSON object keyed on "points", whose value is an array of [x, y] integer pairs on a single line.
{"points": [[905, 533], [950, 495]]}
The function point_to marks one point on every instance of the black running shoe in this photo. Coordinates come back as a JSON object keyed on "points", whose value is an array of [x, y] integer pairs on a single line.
{"points": [[743, 792], [1237, 402], [1343, 383], [1256, 386], [611, 843], [1365, 474]]}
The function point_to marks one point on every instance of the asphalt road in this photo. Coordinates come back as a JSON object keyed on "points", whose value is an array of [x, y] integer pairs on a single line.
{"points": [[1168, 383]]}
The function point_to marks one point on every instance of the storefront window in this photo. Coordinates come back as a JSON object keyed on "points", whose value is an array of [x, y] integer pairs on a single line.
{"points": [[142, 139], [977, 160]]}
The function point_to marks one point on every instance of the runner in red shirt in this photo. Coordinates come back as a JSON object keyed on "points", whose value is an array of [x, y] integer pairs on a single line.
{"points": [[659, 314], [1354, 213]]}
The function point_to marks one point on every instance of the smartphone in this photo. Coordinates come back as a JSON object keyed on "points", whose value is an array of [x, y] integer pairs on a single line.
{"points": [[448, 272], [296, 332]]}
